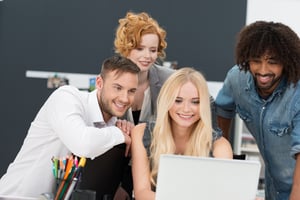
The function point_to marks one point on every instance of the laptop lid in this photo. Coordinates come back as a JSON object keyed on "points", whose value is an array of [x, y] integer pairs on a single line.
{"points": [[201, 178]]}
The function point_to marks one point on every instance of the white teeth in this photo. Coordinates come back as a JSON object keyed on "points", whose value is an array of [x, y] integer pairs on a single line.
{"points": [[264, 78], [120, 105], [185, 116], [145, 63]]}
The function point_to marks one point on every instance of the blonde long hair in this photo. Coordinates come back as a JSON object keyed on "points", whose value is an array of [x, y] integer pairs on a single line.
{"points": [[131, 29], [200, 140]]}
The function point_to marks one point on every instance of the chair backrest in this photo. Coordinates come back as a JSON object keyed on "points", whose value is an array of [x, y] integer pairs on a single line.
{"points": [[239, 156]]}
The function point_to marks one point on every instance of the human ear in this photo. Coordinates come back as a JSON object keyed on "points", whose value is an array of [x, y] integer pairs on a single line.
{"points": [[99, 82]]}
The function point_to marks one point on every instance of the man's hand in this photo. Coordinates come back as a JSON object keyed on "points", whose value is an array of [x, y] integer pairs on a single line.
{"points": [[126, 127]]}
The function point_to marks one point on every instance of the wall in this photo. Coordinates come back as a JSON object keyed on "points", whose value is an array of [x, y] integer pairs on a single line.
{"points": [[76, 35], [256, 10]]}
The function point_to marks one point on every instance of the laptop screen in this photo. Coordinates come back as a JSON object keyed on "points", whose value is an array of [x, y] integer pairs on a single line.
{"points": [[188, 177]]}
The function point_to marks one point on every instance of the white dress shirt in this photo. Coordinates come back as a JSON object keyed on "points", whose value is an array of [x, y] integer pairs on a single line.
{"points": [[64, 124]]}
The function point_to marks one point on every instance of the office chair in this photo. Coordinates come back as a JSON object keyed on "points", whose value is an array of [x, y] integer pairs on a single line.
{"points": [[239, 156]]}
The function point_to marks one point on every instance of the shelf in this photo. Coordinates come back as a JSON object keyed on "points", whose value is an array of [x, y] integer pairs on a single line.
{"points": [[248, 143], [250, 149], [78, 80]]}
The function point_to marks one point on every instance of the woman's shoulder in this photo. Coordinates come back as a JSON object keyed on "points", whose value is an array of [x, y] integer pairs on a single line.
{"points": [[161, 70], [160, 73]]}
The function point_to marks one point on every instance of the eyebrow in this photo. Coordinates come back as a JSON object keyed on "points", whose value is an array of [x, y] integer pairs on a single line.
{"points": [[117, 84], [193, 98]]}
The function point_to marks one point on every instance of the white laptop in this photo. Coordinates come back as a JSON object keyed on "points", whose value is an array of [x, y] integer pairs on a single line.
{"points": [[4, 197], [199, 178]]}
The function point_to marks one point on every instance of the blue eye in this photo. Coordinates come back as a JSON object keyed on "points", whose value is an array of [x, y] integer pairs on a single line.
{"points": [[132, 91], [196, 102], [118, 88]]}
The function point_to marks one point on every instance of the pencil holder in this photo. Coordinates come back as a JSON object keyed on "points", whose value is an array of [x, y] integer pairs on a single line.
{"points": [[67, 176]]}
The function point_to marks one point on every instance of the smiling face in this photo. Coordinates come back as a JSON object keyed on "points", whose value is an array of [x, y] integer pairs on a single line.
{"points": [[145, 54], [267, 73], [185, 110], [116, 93]]}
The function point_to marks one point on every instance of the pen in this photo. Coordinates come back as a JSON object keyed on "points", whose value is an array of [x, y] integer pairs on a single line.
{"points": [[82, 162], [64, 182], [62, 187], [55, 167], [59, 190], [76, 176], [76, 161], [68, 168], [80, 167], [67, 184], [68, 171], [71, 188]]}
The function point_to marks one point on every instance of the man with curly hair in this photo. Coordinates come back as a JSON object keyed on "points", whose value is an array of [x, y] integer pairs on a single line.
{"points": [[264, 89]]}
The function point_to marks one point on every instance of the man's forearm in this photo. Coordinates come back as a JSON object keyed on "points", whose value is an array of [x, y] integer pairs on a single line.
{"points": [[295, 194], [224, 124]]}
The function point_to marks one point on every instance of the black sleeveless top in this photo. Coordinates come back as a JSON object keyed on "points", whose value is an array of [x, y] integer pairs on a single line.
{"points": [[136, 116]]}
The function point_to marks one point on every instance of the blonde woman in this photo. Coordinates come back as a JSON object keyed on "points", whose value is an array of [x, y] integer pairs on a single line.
{"points": [[140, 38], [183, 126]]}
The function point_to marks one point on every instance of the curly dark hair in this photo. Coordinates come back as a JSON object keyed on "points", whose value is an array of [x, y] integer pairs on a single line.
{"points": [[275, 39]]}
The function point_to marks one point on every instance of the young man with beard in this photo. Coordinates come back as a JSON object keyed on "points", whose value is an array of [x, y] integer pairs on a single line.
{"points": [[264, 89], [74, 122]]}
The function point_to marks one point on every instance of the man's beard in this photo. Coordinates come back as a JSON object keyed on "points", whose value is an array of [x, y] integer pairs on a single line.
{"points": [[106, 106], [270, 85]]}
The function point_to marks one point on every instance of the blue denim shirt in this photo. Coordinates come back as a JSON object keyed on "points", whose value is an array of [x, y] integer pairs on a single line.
{"points": [[274, 123]]}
